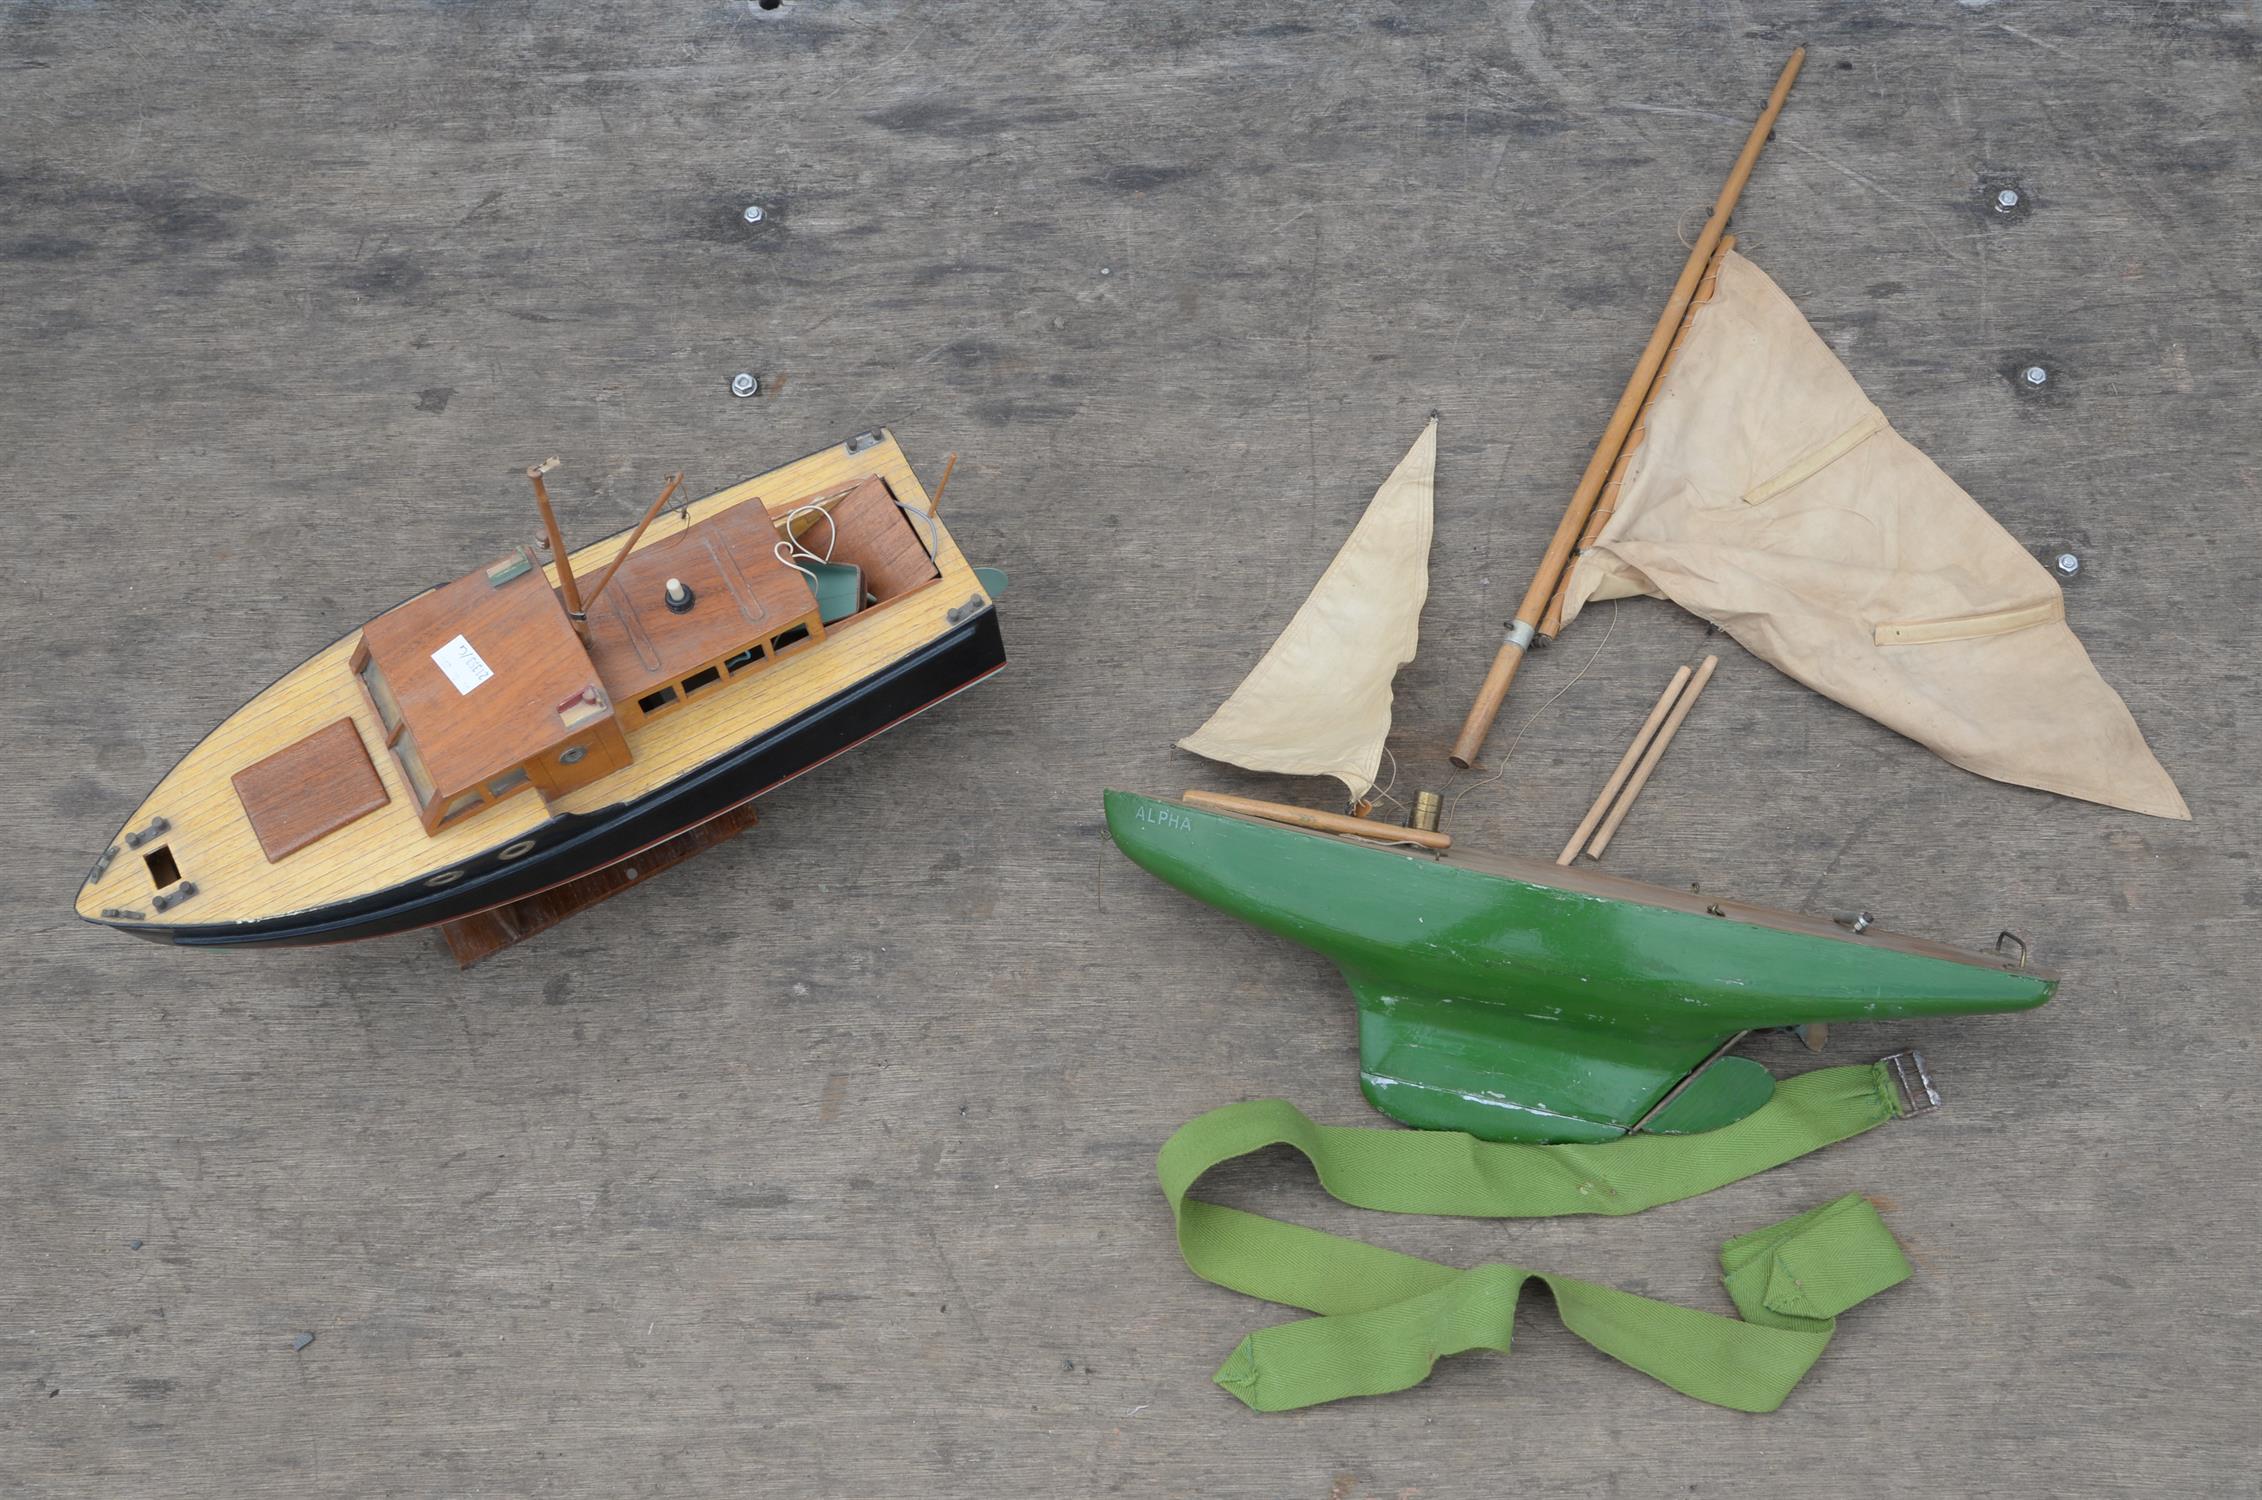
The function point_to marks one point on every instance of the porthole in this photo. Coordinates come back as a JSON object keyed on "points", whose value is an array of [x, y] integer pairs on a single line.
{"points": [[515, 851], [445, 877], [575, 756]]}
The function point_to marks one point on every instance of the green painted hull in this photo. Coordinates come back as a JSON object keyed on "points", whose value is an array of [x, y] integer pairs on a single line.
{"points": [[1518, 1000]]}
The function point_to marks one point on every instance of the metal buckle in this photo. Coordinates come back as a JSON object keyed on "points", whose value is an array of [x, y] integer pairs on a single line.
{"points": [[1918, 1096]]}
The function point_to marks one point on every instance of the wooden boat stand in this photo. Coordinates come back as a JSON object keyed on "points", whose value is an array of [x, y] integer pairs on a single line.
{"points": [[485, 934]]}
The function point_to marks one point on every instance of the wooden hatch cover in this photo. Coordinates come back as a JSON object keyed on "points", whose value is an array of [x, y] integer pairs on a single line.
{"points": [[308, 790]]}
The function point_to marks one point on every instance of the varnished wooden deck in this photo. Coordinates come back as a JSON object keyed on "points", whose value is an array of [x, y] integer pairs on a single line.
{"points": [[821, 1168]]}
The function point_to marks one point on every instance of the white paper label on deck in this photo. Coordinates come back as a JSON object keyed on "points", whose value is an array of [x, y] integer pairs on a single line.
{"points": [[462, 664]]}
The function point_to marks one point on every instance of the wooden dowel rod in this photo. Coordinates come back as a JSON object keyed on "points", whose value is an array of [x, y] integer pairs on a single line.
{"points": [[1551, 564], [1319, 822], [634, 537], [934, 501], [1625, 765], [1653, 755]]}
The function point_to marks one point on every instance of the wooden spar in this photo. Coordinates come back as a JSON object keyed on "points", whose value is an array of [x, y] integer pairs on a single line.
{"points": [[566, 583], [1653, 755], [1606, 504], [1625, 764], [934, 501], [633, 538], [1494, 692], [1319, 822]]}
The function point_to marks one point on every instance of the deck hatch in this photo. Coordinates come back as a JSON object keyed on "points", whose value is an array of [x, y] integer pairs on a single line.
{"points": [[308, 790]]}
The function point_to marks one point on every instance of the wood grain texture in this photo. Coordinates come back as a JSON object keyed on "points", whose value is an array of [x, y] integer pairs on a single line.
{"points": [[470, 727], [872, 533], [309, 789], [823, 1167]]}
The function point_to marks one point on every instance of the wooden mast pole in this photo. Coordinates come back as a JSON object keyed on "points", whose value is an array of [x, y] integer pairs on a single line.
{"points": [[1494, 692], [634, 537], [1606, 504], [566, 583]]}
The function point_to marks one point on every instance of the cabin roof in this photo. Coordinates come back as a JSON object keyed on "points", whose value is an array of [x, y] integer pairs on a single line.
{"points": [[742, 593], [482, 671]]}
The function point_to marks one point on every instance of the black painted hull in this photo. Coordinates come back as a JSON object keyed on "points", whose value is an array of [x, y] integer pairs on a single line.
{"points": [[569, 847]]}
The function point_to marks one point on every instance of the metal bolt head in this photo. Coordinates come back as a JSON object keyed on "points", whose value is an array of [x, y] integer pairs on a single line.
{"points": [[745, 384], [2006, 200], [2035, 375], [753, 213], [2067, 564]]}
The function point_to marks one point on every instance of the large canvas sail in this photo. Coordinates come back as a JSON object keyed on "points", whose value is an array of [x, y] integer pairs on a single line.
{"points": [[1769, 496], [1318, 703]]}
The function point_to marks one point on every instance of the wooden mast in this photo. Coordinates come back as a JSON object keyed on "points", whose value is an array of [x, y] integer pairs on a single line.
{"points": [[934, 501], [566, 584], [1606, 504], [1494, 692], [633, 538]]}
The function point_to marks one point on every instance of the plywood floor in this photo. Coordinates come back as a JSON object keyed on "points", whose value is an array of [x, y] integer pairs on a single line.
{"points": [[822, 1166]]}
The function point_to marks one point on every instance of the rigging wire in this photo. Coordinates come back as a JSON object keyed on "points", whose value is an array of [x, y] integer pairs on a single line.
{"points": [[832, 533], [1382, 793], [784, 556], [934, 537], [1538, 713]]}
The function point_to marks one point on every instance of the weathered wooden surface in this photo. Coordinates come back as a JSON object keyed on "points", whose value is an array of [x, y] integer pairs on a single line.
{"points": [[823, 1166]]}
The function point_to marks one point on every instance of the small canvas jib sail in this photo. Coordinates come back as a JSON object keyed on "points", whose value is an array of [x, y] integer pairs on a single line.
{"points": [[1318, 704], [1771, 497]]}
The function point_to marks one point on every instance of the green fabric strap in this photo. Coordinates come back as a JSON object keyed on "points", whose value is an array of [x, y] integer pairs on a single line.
{"points": [[1386, 1318]]}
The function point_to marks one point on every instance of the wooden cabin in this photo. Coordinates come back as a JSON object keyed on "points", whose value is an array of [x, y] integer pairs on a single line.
{"points": [[484, 691], [737, 607]]}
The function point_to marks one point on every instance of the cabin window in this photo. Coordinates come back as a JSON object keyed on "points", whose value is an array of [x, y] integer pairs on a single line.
{"points": [[701, 678], [412, 765], [381, 696], [507, 783], [744, 659], [469, 802], [164, 870], [652, 703], [793, 637]]}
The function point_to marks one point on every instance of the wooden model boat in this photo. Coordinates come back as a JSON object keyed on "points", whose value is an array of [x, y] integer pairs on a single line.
{"points": [[501, 735], [1511, 998], [1517, 999]]}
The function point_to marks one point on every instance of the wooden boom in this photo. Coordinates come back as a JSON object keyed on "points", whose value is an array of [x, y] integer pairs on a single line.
{"points": [[1494, 692], [1319, 822]]}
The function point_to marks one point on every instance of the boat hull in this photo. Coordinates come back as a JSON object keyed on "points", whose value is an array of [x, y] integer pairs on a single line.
{"points": [[1519, 1001], [571, 846]]}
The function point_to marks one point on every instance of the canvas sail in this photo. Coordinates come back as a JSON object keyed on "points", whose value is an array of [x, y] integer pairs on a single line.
{"points": [[1318, 703], [1769, 496]]}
